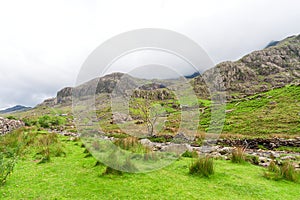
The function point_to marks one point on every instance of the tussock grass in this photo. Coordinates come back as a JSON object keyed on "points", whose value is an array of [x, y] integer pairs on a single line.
{"points": [[238, 155], [202, 166], [285, 171]]}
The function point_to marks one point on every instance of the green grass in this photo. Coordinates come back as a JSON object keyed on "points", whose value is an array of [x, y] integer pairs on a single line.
{"points": [[290, 149], [273, 113], [76, 177]]}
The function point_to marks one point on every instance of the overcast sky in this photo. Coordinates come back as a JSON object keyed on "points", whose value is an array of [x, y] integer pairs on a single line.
{"points": [[44, 43]]}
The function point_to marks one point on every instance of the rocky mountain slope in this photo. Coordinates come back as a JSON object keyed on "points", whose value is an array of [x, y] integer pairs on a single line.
{"points": [[273, 67], [259, 71]]}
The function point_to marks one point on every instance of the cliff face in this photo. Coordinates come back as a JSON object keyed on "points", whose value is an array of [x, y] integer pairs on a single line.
{"points": [[273, 67], [7, 125], [259, 71]]}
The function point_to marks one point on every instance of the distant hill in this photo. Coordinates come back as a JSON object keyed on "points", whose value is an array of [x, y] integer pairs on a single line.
{"points": [[15, 109]]}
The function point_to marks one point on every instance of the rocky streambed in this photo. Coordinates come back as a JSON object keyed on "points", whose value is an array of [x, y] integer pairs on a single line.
{"points": [[223, 148]]}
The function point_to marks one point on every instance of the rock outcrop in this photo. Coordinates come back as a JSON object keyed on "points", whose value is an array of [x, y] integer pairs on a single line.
{"points": [[8, 125], [259, 71]]}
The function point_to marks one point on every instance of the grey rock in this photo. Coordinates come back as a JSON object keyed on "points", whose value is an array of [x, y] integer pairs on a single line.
{"points": [[8, 125]]}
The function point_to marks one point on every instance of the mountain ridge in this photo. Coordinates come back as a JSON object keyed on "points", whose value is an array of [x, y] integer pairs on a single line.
{"points": [[275, 66], [16, 108]]}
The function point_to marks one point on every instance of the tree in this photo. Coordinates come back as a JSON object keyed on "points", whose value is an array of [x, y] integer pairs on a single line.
{"points": [[149, 112]]}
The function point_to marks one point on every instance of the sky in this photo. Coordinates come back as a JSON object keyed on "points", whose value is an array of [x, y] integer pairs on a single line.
{"points": [[43, 44]]}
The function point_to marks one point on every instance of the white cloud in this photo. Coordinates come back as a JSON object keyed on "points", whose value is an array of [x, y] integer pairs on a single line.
{"points": [[44, 43]]}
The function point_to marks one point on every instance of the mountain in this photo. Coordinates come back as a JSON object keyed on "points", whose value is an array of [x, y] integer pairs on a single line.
{"points": [[15, 109], [275, 66], [259, 71]]}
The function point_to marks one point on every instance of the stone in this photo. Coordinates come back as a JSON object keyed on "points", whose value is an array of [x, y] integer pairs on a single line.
{"points": [[264, 164], [274, 155], [225, 150], [8, 125], [288, 157], [120, 118], [262, 159], [181, 138]]}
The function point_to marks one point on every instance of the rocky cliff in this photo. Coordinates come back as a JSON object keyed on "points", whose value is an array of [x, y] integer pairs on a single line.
{"points": [[259, 71]]}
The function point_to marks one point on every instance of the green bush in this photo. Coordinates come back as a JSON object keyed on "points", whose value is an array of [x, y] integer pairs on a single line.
{"points": [[29, 121], [11, 117], [7, 165], [202, 166], [47, 121]]}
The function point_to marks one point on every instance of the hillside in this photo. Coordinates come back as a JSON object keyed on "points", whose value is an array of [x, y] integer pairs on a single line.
{"points": [[262, 91]]}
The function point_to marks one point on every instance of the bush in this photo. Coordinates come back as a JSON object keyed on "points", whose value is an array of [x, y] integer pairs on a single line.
{"points": [[11, 117], [202, 166], [7, 165], [47, 121], [29, 121], [238, 155]]}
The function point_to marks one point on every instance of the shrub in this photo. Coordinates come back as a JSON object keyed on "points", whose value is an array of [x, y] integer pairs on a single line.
{"points": [[29, 121], [238, 155], [202, 166], [6, 166], [11, 117], [47, 121]]}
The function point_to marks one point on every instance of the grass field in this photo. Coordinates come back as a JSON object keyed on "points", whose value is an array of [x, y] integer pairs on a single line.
{"points": [[77, 177]]}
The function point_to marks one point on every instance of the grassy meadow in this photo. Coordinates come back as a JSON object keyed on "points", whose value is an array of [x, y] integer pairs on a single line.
{"points": [[74, 175]]}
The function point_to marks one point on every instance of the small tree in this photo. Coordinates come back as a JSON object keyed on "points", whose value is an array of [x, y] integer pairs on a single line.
{"points": [[149, 112]]}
